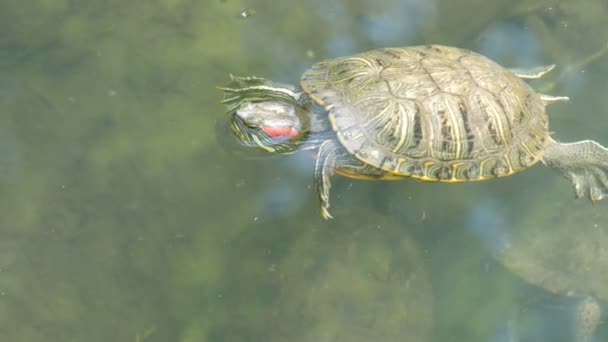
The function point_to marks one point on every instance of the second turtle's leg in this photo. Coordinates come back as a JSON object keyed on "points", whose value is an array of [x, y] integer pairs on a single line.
{"points": [[588, 315], [585, 163]]}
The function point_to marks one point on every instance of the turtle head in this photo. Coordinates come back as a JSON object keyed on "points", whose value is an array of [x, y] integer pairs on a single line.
{"points": [[266, 115], [267, 124]]}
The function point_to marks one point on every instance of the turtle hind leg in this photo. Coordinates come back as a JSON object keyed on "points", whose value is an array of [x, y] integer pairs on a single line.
{"points": [[585, 163], [588, 315], [549, 99]]}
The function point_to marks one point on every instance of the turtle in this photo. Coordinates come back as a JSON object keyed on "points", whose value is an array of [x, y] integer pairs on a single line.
{"points": [[431, 112], [564, 254]]}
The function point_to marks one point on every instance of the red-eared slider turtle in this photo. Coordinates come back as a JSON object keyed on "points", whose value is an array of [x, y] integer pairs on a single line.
{"points": [[433, 113]]}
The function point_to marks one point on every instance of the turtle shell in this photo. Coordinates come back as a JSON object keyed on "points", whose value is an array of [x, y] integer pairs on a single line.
{"points": [[433, 112]]}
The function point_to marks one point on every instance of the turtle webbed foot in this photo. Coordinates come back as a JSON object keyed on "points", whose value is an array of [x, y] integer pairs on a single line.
{"points": [[585, 163]]}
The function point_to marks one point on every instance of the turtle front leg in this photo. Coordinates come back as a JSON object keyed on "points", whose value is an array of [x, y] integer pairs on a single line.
{"points": [[324, 169], [333, 158], [585, 163]]}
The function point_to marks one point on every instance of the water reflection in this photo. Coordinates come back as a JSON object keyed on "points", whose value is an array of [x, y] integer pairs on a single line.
{"points": [[366, 281], [396, 20], [514, 43]]}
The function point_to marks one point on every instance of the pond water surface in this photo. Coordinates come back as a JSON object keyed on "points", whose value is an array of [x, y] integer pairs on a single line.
{"points": [[124, 217]]}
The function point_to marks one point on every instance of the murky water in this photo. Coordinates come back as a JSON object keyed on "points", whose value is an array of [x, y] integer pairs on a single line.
{"points": [[124, 218]]}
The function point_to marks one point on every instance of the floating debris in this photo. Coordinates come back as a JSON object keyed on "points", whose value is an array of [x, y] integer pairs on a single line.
{"points": [[247, 13], [310, 54]]}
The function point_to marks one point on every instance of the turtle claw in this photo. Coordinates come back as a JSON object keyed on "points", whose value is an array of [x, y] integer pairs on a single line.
{"points": [[324, 200], [591, 183], [325, 213]]}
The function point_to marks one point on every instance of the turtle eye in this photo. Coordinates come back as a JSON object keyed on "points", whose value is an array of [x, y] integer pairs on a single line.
{"points": [[253, 122], [249, 116]]}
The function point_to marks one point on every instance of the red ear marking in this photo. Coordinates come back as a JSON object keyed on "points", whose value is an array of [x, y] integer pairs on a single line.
{"points": [[281, 132]]}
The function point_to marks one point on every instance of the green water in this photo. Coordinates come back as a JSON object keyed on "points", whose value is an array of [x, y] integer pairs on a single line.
{"points": [[123, 219]]}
